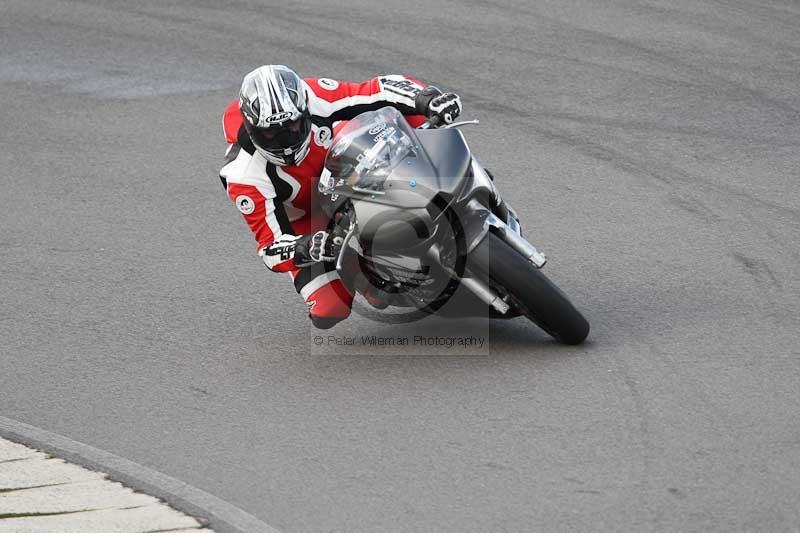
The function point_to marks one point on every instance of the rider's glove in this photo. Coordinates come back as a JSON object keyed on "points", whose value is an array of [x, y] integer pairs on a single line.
{"points": [[279, 255], [447, 107], [316, 248], [431, 102]]}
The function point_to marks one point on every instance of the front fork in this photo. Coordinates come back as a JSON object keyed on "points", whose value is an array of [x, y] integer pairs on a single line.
{"points": [[480, 219], [513, 220], [510, 234], [513, 238]]}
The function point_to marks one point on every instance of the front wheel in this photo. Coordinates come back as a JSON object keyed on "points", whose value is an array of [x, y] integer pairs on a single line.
{"points": [[528, 289]]}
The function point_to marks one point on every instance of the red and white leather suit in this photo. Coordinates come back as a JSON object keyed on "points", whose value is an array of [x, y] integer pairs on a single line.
{"points": [[279, 201]]}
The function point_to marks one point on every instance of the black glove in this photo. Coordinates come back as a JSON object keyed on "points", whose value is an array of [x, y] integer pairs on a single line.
{"points": [[316, 248], [431, 102], [446, 106]]}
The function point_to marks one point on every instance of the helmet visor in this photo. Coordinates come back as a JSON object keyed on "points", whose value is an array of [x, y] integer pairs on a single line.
{"points": [[278, 138]]}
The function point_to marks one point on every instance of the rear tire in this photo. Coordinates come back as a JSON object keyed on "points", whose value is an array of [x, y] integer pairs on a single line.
{"points": [[528, 289]]}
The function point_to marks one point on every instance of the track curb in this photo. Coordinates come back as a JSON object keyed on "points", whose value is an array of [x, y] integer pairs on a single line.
{"points": [[222, 516]]}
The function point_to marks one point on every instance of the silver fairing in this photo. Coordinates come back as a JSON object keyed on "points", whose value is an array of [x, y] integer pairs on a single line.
{"points": [[416, 194], [433, 208]]}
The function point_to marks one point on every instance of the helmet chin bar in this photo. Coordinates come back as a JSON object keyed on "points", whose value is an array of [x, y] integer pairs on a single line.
{"points": [[290, 156]]}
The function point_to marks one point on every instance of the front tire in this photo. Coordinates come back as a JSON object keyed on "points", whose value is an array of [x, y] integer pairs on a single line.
{"points": [[528, 289]]}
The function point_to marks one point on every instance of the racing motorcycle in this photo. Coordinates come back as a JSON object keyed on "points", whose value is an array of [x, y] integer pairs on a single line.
{"points": [[422, 219]]}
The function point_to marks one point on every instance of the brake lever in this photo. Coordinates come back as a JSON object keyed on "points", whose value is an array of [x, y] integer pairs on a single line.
{"points": [[459, 124], [431, 124]]}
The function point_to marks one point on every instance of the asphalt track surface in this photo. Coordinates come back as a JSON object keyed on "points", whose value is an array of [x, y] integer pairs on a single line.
{"points": [[651, 149]]}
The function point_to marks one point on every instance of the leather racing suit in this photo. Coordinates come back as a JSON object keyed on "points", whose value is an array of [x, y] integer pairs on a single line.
{"points": [[278, 202]]}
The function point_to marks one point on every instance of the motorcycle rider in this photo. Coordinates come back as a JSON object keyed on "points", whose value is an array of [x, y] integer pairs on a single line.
{"points": [[278, 133]]}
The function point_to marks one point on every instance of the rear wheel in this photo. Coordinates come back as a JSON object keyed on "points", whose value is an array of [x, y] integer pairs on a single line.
{"points": [[528, 289]]}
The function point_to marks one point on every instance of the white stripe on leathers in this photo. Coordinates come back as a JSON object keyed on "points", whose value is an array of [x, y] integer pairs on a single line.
{"points": [[248, 169], [323, 108], [317, 283]]}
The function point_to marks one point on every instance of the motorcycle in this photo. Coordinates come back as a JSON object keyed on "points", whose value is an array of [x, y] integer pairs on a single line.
{"points": [[422, 218]]}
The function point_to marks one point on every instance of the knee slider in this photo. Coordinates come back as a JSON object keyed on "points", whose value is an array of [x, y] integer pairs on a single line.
{"points": [[324, 322]]}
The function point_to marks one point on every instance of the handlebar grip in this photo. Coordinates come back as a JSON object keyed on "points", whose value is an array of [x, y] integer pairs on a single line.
{"points": [[435, 121]]}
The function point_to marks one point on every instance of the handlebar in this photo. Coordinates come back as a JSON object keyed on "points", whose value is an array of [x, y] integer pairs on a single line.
{"points": [[435, 122], [432, 123]]}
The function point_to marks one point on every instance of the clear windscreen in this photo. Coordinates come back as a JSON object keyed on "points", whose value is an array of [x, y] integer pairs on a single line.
{"points": [[364, 153]]}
